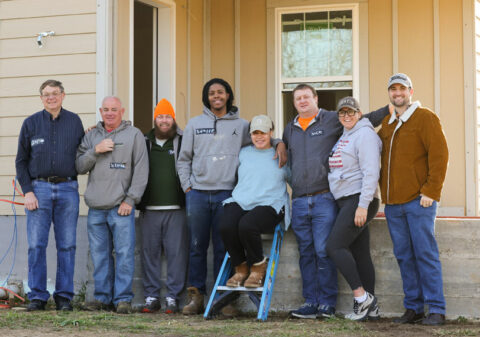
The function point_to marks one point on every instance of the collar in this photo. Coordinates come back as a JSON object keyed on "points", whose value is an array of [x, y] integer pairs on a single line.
{"points": [[407, 114], [313, 120]]}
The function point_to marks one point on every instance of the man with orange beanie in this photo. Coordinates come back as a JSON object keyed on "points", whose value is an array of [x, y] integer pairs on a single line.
{"points": [[163, 217]]}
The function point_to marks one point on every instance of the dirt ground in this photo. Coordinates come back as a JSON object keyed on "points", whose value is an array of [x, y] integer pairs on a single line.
{"points": [[103, 324]]}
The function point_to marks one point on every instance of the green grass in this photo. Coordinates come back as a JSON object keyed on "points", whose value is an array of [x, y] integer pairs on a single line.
{"points": [[63, 323]]}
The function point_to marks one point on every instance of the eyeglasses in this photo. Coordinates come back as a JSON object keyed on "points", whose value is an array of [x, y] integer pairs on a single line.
{"points": [[349, 112], [53, 95]]}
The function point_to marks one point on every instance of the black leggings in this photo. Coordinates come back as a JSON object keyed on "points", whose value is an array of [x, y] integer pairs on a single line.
{"points": [[349, 246], [241, 231]]}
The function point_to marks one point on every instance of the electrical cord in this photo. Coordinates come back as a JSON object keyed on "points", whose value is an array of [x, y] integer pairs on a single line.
{"points": [[13, 241]]}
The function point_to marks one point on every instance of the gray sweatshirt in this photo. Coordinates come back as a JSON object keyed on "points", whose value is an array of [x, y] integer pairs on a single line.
{"points": [[355, 163], [116, 176], [210, 146]]}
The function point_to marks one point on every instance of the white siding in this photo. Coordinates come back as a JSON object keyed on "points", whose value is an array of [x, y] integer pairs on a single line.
{"points": [[69, 57]]}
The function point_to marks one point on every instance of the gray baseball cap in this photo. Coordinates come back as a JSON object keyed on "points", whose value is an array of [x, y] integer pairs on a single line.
{"points": [[261, 123], [348, 102], [400, 78]]}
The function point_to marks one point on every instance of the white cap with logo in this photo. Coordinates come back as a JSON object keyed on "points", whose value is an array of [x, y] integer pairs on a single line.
{"points": [[261, 123]]}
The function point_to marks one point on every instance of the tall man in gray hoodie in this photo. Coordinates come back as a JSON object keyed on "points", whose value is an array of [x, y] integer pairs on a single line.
{"points": [[116, 156], [207, 167]]}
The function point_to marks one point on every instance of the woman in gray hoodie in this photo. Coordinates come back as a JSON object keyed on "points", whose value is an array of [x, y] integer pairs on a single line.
{"points": [[353, 178]]}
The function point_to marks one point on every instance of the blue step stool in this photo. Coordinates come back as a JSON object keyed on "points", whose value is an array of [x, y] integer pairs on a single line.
{"points": [[222, 295]]}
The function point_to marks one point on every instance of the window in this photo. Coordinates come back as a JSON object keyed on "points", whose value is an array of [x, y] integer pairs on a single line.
{"points": [[317, 47]]}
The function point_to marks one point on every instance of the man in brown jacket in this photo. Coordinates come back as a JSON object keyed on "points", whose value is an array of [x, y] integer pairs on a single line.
{"points": [[414, 164]]}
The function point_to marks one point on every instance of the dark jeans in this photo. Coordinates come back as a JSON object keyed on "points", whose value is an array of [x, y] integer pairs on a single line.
{"points": [[57, 203], [412, 229], [241, 231], [204, 209], [349, 246]]}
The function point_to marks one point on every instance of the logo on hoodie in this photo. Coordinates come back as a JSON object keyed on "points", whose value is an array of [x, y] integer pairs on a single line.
{"points": [[205, 131], [316, 133], [117, 166], [37, 141]]}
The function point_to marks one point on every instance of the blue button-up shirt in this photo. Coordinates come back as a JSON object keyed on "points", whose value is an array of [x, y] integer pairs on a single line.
{"points": [[47, 147]]}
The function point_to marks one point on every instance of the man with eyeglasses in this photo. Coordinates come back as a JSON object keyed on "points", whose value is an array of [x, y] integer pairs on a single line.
{"points": [[46, 172], [310, 138]]}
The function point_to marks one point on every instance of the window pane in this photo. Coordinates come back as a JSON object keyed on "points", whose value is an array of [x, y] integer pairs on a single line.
{"points": [[317, 44], [293, 45], [322, 85]]}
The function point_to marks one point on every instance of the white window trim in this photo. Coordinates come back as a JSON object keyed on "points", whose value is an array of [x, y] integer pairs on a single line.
{"points": [[104, 56], [278, 52]]}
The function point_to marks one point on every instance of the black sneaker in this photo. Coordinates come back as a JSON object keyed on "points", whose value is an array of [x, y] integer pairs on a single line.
{"points": [[63, 304], [171, 305], [152, 304], [97, 305], [410, 317], [36, 305], [307, 310], [325, 311], [434, 319]]}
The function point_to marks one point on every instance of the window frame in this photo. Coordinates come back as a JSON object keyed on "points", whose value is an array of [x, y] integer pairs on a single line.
{"points": [[355, 77]]}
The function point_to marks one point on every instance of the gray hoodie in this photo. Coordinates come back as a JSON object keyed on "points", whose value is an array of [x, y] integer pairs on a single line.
{"points": [[355, 163], [210, 146], [117, 176]]}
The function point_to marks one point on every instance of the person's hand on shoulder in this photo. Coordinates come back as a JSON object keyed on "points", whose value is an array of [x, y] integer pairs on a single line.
{"points": [[281, 154]]}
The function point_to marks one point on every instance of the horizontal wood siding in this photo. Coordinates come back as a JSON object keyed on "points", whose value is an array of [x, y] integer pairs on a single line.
{"points": [[68, 56]]}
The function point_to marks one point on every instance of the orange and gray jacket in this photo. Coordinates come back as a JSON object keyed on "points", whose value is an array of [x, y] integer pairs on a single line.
{"points": [[414, 156]]}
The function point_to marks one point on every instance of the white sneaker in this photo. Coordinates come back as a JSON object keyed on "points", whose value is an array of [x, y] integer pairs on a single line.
{"points": [[374, 314], [361, 310]]}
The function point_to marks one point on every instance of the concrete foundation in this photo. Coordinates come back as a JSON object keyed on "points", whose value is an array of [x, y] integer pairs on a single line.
{"points": [[458, 240]]}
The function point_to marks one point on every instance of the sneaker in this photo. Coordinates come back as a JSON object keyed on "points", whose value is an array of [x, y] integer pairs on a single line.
{"points": [[307, 310], [63, 304], [36, 305], [434, 319], [325, 311], [152, 304], [374, 314], [410, 316], [124, 308], [171, 305], [361, 310]]}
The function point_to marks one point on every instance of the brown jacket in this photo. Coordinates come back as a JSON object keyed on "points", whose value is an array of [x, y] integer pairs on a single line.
{"points": [[417, 161]]}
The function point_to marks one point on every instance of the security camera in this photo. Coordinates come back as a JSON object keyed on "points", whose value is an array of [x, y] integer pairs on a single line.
{"points": [[42, 35]]}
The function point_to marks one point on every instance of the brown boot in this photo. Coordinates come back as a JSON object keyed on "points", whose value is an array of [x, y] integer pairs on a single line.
{"points": [[257, 274], [241, 274], [195, 306]]}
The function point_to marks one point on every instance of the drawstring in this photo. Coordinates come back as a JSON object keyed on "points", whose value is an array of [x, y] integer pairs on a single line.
{"points": [[215, 126]]}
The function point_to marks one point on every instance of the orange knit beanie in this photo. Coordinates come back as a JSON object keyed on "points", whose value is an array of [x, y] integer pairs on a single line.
{"points": [[164, 108]]}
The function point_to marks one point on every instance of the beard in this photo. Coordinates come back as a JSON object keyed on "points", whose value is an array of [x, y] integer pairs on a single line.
{"points": [[170, 133]]}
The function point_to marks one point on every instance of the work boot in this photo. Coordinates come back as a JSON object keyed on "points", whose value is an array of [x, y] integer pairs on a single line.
{"points": [[124, 308], [257, 274], [241, 274], [195, 306]]}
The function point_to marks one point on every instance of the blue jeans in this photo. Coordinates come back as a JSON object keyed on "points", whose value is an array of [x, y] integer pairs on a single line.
{"points": [[312, 220], [57, 203], [204, 210], [109, 231], [412, 229]]}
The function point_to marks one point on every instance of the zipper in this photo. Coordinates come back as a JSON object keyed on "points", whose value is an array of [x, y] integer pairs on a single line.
{"points": [[390, 157]]}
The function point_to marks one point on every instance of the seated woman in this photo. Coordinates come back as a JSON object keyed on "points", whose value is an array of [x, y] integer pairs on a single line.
{"points": [[353, 179], [258, 203]]}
